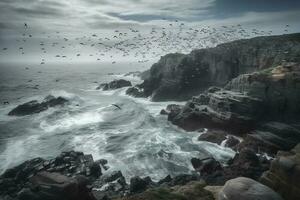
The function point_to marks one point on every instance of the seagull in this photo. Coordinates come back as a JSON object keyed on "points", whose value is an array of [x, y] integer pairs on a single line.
{"points": [[116, 106]]}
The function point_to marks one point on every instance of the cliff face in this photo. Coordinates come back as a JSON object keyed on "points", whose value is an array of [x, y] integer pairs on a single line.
{"points": [[179, 77]]}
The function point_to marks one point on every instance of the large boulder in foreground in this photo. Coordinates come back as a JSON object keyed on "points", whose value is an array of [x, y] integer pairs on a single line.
{"points": [[284, 174], [246, 189], [34, 106], [115, 84]]}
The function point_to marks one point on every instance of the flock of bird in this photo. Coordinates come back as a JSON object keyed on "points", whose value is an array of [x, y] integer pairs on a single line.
{"points": [[143, 45]]}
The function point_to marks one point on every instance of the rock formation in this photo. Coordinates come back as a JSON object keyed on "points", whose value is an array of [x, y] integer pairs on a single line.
{"points": [[179, 77], [36, 107]]}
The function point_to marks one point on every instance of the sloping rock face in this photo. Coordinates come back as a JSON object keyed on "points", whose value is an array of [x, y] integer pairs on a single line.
{"points": [[246, 189], [279, 87], [33, 107], [179, 77], [246, 101], [218, 108], [284, 174]]}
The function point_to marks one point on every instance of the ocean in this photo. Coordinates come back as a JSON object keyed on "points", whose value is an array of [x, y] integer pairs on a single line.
{"points": [[136, 139]]}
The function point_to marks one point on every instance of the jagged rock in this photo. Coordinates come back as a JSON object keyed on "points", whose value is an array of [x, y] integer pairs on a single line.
{"points": [[135, 92], [231, 142], [138, 184], [54, 186], [115, 84], [284, 174], [223, 109], [68, 164], [246, 189], [206, 166], [271, 137], [179, 77], [33, 107], [214, 136], [278, 86]]}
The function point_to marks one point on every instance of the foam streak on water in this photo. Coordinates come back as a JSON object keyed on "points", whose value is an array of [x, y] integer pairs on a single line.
{"points": [[136, 139]]}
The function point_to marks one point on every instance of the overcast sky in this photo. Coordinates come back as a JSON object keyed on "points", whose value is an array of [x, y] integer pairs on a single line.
{"points": [[79, 17]]}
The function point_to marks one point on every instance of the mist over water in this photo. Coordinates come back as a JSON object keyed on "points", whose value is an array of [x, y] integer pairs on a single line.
{"points": [[136, 139]]}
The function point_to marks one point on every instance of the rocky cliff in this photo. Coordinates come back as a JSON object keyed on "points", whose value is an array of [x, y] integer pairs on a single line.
{"points": [[179, 76]]}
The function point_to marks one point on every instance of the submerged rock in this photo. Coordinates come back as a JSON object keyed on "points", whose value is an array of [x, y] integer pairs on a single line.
{"points": [[246, 189], [34, 106], [115, 84]]}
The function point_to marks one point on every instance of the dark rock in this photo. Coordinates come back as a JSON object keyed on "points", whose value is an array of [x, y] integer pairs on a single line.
{"points": [[115, 84], [231, 142], [33, 107], [135, 92], [284, 174], [167, 179], [57, 187], [179, 77], [138, 184], [214, 136], [183, 179], [164, 112], [206, 166]]}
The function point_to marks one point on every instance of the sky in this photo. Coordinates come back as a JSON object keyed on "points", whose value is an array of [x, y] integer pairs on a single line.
{"points": [[78, 18]]}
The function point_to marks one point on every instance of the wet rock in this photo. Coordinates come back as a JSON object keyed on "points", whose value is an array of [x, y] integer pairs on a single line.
{"points": [[33, 107], [214, 136], [206, 166], [284, 174], [115, 84], [135, 92], [183, 179], [232, 142], [54, 186], [138, 184], [68, 164], [246, 189]]}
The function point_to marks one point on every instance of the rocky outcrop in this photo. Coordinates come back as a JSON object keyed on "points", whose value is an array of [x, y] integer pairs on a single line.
{"points": [[284, 174], [60, 174], [279, 87], [179, 77], [135, 92], [246, 102], [245, 163], [115, 84], [217, 108], [56, 186], [246, 189], [33, 107]]}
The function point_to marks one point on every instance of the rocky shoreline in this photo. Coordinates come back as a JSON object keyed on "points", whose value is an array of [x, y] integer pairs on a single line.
{"points": [[247, 97]]}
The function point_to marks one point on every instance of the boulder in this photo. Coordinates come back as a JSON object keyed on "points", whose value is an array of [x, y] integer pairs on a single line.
{"points": [[246, 189], [138, 184], [34, 106], [54, 186], [284, 174], [135, 92], [214, 136], [115, 84], [232, 142], [206, 166]]}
